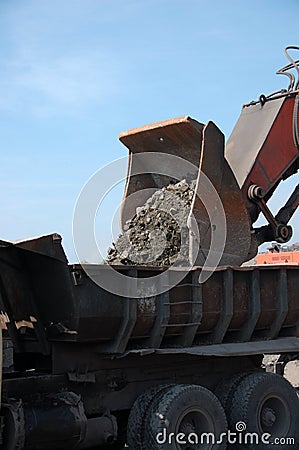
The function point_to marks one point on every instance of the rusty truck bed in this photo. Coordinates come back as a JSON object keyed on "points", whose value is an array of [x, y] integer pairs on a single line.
{"points": [[62, 303]]}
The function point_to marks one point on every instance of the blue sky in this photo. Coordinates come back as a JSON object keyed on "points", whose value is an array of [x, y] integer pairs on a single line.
{"points": [[75, 73]]}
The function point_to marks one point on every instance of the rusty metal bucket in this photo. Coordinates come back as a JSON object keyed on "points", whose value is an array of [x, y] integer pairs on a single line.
{"points": [[197, 148]]}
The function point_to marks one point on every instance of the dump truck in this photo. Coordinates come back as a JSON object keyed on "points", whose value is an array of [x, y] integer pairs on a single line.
{"points": [[176, 361]]}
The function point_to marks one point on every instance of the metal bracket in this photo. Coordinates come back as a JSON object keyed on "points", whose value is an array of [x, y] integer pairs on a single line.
{"points": [[276, 230]]}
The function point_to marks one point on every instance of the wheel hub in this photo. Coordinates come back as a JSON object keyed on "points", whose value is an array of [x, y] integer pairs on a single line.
{"points": [[268, 417], [187, 427]]}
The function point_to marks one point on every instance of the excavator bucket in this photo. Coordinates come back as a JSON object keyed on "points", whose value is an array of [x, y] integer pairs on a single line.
{"points": [[182, 148]]}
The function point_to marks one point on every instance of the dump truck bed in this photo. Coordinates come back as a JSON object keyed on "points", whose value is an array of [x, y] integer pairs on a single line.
{"points": [[62, 303]]}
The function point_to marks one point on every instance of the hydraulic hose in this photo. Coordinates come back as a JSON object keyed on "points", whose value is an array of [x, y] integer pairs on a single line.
{"points": [[295, 122]]}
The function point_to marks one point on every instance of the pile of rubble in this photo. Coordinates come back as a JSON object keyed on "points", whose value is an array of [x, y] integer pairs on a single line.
{"points": [[157, 235]]}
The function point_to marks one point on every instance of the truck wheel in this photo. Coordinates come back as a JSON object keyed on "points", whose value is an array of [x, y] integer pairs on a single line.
{"points": [[13, 431], [266, 403], [185, 417], [135, 428], [225, 390]]}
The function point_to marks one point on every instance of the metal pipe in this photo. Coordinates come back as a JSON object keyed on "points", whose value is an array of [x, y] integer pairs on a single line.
{"points": [[99, 431]]}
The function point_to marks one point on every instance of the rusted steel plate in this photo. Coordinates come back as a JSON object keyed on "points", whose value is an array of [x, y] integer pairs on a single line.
{"points": [[275, 346]]}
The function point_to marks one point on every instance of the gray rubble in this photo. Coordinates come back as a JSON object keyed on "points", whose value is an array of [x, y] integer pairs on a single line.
{"points": [[157, 235]]}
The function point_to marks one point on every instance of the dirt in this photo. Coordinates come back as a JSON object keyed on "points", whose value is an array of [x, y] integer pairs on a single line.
{"points": [[157, 235]]}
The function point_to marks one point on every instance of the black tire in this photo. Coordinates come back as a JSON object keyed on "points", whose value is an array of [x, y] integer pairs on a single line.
{"points": [[225, 390], [266, 403], [136, 421], [185, 409]]}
